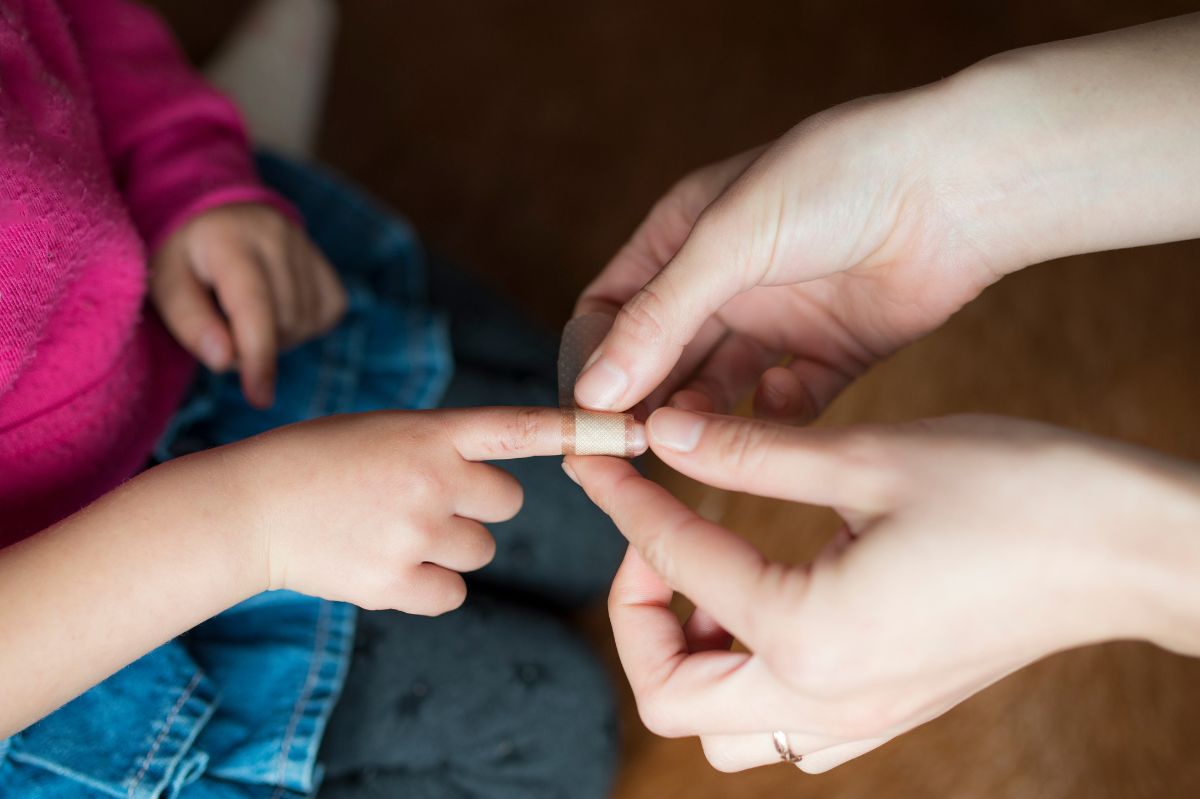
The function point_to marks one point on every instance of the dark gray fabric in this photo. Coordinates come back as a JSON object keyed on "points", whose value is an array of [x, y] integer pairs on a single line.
{"points": [[500, 698]]}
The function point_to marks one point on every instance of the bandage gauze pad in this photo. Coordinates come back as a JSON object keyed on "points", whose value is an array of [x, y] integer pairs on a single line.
{"points": [[587, 432]]}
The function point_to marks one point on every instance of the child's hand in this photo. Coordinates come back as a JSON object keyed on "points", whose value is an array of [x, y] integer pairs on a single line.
{"points": [[274, 289], [381, 509]]}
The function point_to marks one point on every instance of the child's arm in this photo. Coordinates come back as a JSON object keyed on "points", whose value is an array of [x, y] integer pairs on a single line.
{"points": [[381, 510], [180, 155]]}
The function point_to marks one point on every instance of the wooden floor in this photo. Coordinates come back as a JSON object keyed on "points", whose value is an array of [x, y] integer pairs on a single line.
{"points": [[528, 138]]}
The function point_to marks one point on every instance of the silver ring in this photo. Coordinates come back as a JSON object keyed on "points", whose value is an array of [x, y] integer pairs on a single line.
{"points": [[785, 749]]}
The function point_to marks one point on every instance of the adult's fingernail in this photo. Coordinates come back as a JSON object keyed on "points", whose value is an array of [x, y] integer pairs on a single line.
{"points": [[676, 430], [570, 472], [601, 385], [212, 351]]}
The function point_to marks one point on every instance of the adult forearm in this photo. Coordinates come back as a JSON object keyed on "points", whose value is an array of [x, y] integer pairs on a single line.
{"points": [[141, 565], [1077, 146]]}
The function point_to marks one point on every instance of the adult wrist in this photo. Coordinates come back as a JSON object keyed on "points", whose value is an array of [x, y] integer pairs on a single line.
{"points": [[1075, 146]]}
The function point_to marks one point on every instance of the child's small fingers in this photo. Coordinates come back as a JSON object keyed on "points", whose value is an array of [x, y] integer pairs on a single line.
{"points": [[488, 494], [306, 297], [188, 311], [329, 295], [430, 590], [275, 260], [245, 294], [464, 545], [486, 434]]}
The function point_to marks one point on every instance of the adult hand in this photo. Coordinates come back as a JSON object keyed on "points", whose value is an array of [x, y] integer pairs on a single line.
{"points": [[868, 225], [972, 546]]}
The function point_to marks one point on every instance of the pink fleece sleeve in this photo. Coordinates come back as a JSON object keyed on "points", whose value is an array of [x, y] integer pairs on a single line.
{"points": [[177, 146]]}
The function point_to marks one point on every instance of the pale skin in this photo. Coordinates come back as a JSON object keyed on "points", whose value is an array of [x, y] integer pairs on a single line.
{"points": [[239, 284], [852, 235], [383, 510], [972, 546]]}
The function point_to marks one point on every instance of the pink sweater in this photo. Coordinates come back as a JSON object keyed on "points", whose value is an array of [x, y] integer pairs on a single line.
{"points": [[108, 141]]}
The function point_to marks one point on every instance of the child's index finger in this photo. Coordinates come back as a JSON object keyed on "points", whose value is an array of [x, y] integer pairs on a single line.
{"points": [[503, 433]]}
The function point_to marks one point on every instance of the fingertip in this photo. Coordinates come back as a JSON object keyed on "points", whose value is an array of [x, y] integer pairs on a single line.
{"points": [[675, 429], [782, 397], [215, 350], [259, 388], [689, 399]]}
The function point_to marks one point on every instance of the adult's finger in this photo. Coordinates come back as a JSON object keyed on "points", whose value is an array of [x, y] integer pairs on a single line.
{"points": [[703, 633], [188, 311], [664, 230], [502, 433], [798, 392], [245, 295], [680, 693], [733, 367], [716, 569], [751, 750], [842, 468], [823, 760], [652, 329]]}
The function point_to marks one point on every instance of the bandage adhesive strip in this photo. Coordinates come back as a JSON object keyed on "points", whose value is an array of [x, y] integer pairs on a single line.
{"points": [[586, 432]]}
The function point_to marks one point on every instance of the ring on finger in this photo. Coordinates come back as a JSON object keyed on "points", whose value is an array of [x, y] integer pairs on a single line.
{"points": [[784, 748]]}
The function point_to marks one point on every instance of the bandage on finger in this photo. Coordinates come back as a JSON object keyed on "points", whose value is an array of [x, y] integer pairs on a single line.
{"points": [[586, 432]]}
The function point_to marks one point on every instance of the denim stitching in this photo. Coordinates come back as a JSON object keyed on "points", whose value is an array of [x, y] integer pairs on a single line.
{"points": [[66, 773], [162, 735], [314, 670]]}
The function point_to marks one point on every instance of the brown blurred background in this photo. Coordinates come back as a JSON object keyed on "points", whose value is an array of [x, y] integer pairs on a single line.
{"points": [[528, 138]]}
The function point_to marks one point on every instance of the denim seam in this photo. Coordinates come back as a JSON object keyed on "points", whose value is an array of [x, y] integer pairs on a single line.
{"points": [[57, 768], [314, 672], [162, 734]]}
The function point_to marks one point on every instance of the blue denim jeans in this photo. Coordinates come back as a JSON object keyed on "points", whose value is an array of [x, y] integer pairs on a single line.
{"points": [[237, 706], [499, 699]]}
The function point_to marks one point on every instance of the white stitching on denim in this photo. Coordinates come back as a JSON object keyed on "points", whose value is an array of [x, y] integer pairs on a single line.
{"points": [[314, 670], [162, 734]]}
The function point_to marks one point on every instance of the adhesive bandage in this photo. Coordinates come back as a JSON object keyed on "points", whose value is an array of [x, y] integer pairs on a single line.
{"points": [[587, 432]]}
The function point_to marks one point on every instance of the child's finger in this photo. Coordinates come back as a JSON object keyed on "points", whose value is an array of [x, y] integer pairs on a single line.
{"points": [[301, 266], [245, 296], [188, 311], [464, 545], [488, 494], [330, 296], [430, 590], [275, 261], [487, 434]]}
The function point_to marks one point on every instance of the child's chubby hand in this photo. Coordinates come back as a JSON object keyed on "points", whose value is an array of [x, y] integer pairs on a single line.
{"points": [[381, 509], [272, 287]]}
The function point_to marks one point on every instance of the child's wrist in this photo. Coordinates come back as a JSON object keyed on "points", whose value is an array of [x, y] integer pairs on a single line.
{"points": [[224, 517]]}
